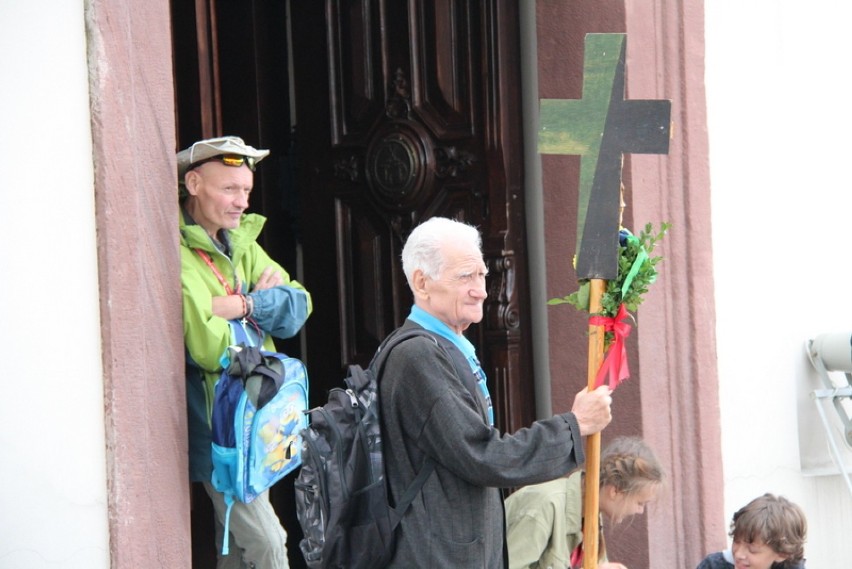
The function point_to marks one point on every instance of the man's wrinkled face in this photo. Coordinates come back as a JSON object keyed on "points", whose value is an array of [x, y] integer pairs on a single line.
{"points": [[221, 195], [456, 296]]}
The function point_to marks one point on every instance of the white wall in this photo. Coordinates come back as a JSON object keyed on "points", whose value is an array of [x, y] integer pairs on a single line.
{"points": [[53, 498], [779, 129]]}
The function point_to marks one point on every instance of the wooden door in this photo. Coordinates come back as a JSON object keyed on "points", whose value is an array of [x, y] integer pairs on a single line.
{"points": [[404, 111]]}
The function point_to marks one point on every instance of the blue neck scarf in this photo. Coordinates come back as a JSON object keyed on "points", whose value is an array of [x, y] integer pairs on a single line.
{"points": [[429, 322]]}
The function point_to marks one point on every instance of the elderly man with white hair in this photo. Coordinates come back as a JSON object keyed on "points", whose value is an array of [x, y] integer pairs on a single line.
{"points": [[436, 412]]}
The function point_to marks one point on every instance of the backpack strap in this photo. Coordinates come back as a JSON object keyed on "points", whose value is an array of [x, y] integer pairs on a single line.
{"points": [[411, 492], [377, 365], [461, 366], [229, 503], [392, 341], [457, 358], [239, 333], [240, 336]]}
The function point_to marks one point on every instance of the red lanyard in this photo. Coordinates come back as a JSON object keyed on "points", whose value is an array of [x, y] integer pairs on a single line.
{"points": [[229, 290], [216, 272]]}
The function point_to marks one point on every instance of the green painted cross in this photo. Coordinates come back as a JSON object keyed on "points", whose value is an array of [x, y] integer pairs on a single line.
{"points": [[602, 127]]}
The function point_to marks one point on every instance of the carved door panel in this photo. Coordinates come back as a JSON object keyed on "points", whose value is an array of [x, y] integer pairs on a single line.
{"points": [[404, 111]]}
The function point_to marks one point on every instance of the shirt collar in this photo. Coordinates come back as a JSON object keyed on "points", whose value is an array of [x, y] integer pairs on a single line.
{"points": [[431, 323]]}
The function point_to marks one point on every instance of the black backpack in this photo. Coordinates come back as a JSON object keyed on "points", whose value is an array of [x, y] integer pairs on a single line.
{"points": [[341, 493]]}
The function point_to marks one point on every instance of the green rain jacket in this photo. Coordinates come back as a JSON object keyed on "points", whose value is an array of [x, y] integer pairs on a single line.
{"points": [[280, 311]]}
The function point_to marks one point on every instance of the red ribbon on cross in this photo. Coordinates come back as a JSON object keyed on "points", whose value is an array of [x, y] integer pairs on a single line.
{"points": [[576, 560], [615, 363]]}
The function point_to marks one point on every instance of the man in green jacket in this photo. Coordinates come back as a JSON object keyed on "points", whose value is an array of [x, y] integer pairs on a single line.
{"points": [[229, 280]]}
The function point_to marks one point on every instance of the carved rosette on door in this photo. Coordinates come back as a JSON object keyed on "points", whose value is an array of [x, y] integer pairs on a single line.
{"points": [[396, 165], [403, 159]]}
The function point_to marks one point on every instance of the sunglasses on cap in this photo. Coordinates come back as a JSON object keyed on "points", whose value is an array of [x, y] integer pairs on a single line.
{"points": [[233, 160]]}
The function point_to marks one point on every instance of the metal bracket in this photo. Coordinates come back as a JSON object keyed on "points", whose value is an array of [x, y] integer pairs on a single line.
{"points": [[836, 395]]}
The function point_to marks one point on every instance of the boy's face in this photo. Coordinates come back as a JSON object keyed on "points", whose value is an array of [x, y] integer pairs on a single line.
{"points": [[754, 555]]}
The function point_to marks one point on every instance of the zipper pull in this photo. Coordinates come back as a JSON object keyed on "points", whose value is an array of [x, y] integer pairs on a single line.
{"points": [[352, 397]]}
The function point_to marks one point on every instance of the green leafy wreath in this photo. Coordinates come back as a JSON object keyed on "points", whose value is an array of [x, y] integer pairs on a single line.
{"points": [[637, 270]]}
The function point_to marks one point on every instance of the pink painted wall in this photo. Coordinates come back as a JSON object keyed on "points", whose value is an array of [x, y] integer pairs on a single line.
{"points": [[671, 399], [131, 91]]}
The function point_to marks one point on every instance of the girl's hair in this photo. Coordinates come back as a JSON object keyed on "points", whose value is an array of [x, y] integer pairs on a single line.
{"points": [[629, 465], [424, 247], [777, 522]]}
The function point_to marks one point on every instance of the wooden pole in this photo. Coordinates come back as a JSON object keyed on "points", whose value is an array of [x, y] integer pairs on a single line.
{"points": [[591, 495]]}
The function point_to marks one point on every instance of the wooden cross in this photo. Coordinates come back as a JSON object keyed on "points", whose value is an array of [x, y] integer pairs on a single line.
{"points": [[601, 127]]}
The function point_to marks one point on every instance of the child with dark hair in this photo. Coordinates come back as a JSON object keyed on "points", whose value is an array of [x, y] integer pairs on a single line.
{"points": [[545, 521], [768, 533]]}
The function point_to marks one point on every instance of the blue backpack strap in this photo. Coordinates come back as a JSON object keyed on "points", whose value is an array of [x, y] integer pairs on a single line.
{"points": [[238, 336], [229, 502], [239, 333]]}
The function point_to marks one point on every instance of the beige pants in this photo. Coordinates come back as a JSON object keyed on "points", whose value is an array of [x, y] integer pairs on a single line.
{"points": [[257, 540]]}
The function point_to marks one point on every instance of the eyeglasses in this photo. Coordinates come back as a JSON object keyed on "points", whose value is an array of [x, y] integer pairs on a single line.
{"points": [[233, 160]]}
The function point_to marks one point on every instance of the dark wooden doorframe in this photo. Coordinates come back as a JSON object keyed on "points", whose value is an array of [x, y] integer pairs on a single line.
{"points": [[232, 77]]}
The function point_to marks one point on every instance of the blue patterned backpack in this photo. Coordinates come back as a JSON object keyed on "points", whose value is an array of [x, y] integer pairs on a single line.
{"points": [[258, 418]]}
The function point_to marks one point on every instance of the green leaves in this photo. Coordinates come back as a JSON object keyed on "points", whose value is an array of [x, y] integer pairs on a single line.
{"points": [[637, 270]]}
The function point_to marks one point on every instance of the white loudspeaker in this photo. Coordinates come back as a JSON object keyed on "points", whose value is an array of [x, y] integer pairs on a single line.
{"points": [[835, 351]]}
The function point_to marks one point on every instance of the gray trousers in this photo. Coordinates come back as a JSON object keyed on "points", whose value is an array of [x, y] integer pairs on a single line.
{"points": [[257, 540]]}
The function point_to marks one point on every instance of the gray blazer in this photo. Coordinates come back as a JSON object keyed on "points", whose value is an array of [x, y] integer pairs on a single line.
{"points": [[457, 519]]}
